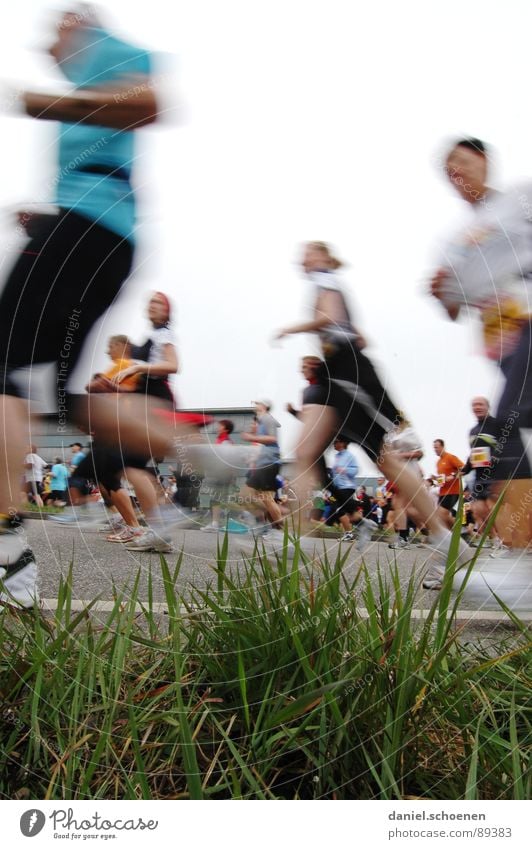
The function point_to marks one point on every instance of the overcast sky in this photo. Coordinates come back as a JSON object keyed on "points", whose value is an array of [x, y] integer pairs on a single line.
{"points": [[300, 120]]}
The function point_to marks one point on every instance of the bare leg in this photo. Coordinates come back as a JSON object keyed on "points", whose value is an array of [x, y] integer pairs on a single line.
{"points": [[513, 524], [413, 490], [320, 425], [121, 500], [14, 413], [446, 517], [145, 491], [130, 421]]}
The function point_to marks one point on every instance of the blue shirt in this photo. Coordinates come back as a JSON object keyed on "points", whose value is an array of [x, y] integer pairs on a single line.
{"points": [[76, 458], [59, 480], [269, 454], [99, 59], [344, 470]]}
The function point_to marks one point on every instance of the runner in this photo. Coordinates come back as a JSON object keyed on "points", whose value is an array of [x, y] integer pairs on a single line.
{"points": [[449, 469], [483, 441], [488, 266], [77, 260], [350, 397]]}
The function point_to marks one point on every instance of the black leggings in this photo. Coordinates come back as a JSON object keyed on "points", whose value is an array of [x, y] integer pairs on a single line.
{"points": [[65, 278]]}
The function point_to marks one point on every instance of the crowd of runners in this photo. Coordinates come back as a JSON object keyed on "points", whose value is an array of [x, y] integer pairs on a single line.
{"points": [[76, 261]]}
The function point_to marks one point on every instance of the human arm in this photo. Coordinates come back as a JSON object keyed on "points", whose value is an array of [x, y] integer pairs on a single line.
{"points": [[456, 471], [292, 410], [169, 365], [260, 439], [125, 107], [325, 314], [437, 285]]}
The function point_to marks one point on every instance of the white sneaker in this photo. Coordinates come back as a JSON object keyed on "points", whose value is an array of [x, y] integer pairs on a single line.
{"points": [[211, 528], [499, 549], [18, 571], [432, 584], [84, 516], [349, 536], [437, 559], [126, 534], [405, 439], [365, 530], [174, 517], [399, 544], [150, 541]]}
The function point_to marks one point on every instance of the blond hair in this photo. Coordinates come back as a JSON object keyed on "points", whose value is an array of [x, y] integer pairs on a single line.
{"points": [[122, 340], [332, 261]]}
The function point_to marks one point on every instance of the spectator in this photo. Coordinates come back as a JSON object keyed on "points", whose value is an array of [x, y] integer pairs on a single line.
{"points": [[35, 466]]}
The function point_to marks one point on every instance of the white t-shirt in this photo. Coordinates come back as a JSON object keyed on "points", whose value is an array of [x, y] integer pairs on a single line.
{"points": [[490, 266], [38, 465], [160, 337]]}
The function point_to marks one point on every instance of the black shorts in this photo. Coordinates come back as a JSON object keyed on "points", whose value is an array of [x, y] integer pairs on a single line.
{"points": [[106, 465], [348, 382], [79, 482], [264, 479], [448, 502], [344, 503], [65, 278], [58, 495]]}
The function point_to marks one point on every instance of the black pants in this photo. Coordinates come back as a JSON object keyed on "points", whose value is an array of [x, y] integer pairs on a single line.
{"points": [[515, 411], [65, 278]]}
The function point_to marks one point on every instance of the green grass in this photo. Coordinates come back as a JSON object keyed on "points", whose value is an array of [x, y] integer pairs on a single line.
{"points": [[268, 684]]}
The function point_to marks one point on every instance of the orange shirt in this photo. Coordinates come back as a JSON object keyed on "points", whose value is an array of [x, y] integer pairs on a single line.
{"points": [[448, 464], [120, 365]]}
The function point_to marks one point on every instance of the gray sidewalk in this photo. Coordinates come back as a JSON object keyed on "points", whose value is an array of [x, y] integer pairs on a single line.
{"points": [[101, 568]]}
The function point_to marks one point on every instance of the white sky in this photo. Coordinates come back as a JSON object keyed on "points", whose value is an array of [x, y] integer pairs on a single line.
{"points": [[301, 120]]}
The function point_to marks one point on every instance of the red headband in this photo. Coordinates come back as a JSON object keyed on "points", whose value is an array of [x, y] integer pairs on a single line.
{"points": [[166, 301]]}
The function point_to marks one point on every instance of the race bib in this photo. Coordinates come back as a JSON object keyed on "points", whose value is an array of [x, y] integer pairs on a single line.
{"points": [[480, 457]]}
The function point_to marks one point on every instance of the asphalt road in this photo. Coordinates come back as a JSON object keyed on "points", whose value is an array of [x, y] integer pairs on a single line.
{"points": [[100, 568]]}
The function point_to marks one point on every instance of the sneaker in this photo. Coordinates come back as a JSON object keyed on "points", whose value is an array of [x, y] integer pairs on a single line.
{"points": [[211, 528], [399, 543], [150, 541], [18, 571], [499, 549], [475, 541], [84, 516], [403, 439], [262, 531], [432, 584], [349, 536], [174, 517], [115, 522], [437, 559], [365, 530], [124, 535]]}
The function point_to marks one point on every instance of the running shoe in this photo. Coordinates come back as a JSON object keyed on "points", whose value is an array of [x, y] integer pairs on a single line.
{"points": [[499, 549], [125, 535], [18, 571], [432, 584], [399, 544], [84, 516], [349, 536], [211, 528], [365, 530], [438, 556], [150, 541], [405, 439]]}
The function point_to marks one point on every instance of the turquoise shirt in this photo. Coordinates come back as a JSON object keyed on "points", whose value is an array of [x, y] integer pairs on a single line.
{"points": [[98, 59]]}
